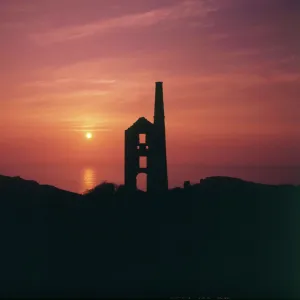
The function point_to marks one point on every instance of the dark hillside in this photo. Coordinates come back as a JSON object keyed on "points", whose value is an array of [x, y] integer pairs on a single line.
{"points": [[222, 237]]}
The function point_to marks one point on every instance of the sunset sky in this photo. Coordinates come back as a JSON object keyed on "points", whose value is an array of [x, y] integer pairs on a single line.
{"points": [[231, 73]]}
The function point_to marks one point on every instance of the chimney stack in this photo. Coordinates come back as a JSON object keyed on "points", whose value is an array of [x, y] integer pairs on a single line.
{"points": [[160, 138], [159, 114]]}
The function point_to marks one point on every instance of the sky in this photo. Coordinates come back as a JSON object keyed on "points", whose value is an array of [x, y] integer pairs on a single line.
{"points": [[230, 69]]}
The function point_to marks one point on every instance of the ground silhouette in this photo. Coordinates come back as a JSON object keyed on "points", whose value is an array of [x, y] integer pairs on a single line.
{"points": [[221, 237]]}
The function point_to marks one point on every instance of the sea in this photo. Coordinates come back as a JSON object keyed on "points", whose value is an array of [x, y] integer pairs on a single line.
{"points": [[80, 178]]}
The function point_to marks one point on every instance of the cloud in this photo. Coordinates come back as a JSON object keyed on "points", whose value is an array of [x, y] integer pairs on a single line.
{"points": [[63, 81], [84, 124], [53, 91], [87, 128], [240, 79], [12, 25], [84, 93], [74, 98], [185, 9], [16, 8]]}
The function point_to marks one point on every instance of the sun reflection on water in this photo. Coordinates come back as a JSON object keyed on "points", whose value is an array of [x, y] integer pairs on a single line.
{"points": [[88, 179]]}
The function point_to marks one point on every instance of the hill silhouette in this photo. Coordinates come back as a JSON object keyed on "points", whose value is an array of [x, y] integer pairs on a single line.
{"points": [[222, 237]]}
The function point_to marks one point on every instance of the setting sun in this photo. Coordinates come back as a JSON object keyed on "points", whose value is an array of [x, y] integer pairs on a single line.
{"points": [[88, 135]]}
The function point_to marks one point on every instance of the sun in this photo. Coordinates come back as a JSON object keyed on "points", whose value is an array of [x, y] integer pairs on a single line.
{"points": [[88, 135]]}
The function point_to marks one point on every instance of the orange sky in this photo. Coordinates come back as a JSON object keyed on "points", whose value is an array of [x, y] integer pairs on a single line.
{"points": [[230, 71]]}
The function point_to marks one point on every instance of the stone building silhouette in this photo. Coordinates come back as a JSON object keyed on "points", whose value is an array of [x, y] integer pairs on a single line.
{"points": [[146, 142]]}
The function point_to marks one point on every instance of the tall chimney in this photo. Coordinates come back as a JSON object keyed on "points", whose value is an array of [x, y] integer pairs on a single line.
{"points": [[159, 114], [160, 140]]}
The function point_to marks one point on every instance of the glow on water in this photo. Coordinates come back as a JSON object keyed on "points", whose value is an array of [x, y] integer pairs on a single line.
{"points": [[88, 179]]}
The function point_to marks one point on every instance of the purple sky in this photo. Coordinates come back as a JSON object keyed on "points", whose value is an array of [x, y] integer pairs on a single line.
{"points": [[231, 73]]}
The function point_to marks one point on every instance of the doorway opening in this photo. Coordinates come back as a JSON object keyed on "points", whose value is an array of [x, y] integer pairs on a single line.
{"points": [[141, 182]]}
